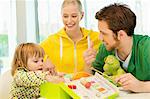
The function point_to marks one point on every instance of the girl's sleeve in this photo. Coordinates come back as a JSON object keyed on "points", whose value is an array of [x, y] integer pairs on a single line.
{"points": [[31, 78]]}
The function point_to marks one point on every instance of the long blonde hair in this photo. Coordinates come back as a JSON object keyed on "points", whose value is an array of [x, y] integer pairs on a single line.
{"points": [[23, 52], [78, 2]]}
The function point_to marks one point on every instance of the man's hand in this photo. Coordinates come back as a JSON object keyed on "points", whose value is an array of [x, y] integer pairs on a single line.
{"points": [[129, 82], [89, 56]]}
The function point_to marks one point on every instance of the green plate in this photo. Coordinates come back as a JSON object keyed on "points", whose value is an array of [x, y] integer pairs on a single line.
{"points": [[57, 91]]}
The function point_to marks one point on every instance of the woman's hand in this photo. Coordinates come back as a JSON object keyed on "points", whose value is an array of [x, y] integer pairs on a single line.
{"points": [[61, 74], [54, 79]]}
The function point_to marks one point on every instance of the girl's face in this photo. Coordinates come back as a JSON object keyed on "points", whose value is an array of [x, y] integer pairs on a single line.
{"points": [[71, 17], [35, 63]]}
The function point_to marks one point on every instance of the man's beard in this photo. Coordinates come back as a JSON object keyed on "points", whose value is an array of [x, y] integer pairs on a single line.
{"points": [[113, 47]]}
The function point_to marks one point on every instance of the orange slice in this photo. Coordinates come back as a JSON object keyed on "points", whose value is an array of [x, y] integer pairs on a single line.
{"points": [[79, 75]]}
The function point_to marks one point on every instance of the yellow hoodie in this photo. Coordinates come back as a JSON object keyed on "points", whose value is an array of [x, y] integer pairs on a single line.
{"points": [[64, 54]]}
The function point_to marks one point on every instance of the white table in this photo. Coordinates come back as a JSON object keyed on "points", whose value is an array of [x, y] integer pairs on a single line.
{"points": [[130, 95]]}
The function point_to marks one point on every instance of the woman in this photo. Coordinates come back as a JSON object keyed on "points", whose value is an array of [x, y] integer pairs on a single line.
{"points": [[65, 48]]}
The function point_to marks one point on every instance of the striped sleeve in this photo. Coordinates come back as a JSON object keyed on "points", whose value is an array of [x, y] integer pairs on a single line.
{"points": [[29, 78]]}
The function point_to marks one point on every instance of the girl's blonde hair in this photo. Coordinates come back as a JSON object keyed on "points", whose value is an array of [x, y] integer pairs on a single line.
{"points": [[23, 52], [78, 2]]}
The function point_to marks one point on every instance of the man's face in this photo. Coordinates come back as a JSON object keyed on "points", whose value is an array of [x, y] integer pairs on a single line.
{"points": [[107, 36]]}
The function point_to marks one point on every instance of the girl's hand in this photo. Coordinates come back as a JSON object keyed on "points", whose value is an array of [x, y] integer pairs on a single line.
{"points": [[48, 66]]}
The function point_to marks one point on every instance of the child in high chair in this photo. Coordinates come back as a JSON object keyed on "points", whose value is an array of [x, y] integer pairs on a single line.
{"points": [[29, 71]]}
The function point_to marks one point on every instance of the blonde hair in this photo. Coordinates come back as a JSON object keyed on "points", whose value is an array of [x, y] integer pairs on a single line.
{"points": [[23, 52], [78, 2]]}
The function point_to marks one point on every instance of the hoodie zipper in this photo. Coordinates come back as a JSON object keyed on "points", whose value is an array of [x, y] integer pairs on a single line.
{"points": [[75, 58], [75, 52]]}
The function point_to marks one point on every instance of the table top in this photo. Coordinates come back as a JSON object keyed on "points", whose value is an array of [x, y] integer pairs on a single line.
{"points": [[131, 95]]}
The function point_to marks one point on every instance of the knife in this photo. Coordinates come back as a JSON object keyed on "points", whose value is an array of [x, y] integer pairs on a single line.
{"points": [[106, 76]]}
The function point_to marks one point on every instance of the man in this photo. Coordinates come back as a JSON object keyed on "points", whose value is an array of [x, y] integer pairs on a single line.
{"points": [[116, 23]]}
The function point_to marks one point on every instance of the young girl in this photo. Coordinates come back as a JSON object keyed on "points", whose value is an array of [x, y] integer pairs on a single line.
{"points": [[29, 71]]}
